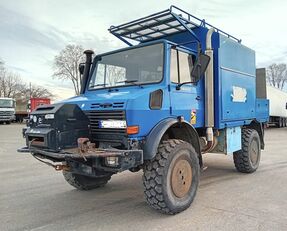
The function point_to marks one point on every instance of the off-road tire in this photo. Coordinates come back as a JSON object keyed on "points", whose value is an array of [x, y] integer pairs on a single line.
{"points": [[82, 182], [243, 159], [158, 172]]}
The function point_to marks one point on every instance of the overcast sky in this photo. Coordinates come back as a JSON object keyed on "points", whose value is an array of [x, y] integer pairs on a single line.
{"points": [[32, 32]]}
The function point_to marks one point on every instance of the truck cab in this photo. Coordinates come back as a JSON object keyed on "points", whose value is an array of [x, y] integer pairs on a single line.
{"points": [[185, 89], [7, 110]]}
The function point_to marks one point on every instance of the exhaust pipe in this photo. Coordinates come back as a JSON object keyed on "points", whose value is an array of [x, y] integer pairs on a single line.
{"points": [[209, 94], [88, 63]]}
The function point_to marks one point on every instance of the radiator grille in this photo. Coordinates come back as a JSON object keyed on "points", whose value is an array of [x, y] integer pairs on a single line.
{"points": [[96, 116], [6, 113]]}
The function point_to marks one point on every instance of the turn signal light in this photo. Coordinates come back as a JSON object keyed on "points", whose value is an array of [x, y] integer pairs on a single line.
{"points": [[131, 130]]}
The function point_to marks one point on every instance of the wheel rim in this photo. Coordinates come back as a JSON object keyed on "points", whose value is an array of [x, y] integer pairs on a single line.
{"points": [[181, 178], [254, 152]]}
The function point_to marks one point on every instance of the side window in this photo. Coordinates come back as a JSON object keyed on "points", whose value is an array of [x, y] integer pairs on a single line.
{"points": [[183, 69], [173, 66]]}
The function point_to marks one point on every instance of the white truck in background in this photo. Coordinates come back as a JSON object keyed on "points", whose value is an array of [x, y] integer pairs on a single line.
{"points": [[7, 110], [278, 106]]}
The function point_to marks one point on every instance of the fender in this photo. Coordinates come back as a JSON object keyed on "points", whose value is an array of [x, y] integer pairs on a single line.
{"points": [[260, 129], [156, 134]]}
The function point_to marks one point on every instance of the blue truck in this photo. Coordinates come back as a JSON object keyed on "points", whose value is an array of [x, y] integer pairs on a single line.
{"points": [[181, 88]]}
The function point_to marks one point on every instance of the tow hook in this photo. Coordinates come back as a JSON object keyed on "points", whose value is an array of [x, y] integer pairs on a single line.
{"points": [[84, 145]]}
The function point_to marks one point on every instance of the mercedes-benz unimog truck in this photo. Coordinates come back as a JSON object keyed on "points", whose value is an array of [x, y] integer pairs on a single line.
{"points": [[181, 88]]}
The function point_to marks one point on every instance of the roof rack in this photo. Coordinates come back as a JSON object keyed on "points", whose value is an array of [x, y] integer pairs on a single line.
{"points": [[163, 23]]}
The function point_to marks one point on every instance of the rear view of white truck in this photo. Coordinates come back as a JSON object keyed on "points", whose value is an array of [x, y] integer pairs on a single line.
{"points": [[277, 99], [278, 106]]}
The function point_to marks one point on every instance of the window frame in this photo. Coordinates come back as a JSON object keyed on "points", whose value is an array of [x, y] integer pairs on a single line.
{"points": [[98, 57], [178, 65]]}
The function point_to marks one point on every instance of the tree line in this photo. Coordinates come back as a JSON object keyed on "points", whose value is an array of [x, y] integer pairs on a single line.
{"points": [[13, 86], [277, 75]]}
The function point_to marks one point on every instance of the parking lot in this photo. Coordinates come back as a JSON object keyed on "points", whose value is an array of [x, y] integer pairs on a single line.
{"points": [[33, 196]]}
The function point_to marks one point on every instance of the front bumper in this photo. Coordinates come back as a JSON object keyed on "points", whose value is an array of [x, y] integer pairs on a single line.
{"points": [[96, 158], [6, 118]]}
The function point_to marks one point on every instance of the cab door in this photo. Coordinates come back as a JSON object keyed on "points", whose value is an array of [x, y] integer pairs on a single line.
{"points": [[186, 100]]}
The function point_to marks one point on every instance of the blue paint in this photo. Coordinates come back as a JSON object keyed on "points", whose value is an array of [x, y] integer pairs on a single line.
{"points": [[234, 66], [233, 139]]}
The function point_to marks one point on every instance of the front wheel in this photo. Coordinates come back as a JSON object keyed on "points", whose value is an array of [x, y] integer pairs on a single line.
{"points": [[82, 182], [171, 178], [247, 159]]}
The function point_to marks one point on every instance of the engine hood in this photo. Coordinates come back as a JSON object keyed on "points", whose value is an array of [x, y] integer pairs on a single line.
{"points": [[103, 99]]}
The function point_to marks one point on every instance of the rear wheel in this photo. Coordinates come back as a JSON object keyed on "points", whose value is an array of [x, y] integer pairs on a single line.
{"points": [[280, 122], [171, 178], [82, 182], [247, 159]]}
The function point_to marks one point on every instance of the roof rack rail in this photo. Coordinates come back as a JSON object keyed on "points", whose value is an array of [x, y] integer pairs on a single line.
{"points": [[163, 23]]}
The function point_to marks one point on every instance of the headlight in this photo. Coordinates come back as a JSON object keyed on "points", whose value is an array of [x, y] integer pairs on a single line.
{"points": [[35, 119], [112, 161]]}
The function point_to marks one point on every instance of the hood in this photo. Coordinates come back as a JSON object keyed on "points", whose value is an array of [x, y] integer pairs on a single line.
{"points": [[103, 99]]}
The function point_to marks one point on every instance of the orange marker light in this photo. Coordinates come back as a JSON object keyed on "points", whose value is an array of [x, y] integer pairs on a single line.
{"points": [[132, 130]]}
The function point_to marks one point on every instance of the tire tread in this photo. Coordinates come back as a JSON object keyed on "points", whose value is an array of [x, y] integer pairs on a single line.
{"points": [[153, 175], [241, 157]]}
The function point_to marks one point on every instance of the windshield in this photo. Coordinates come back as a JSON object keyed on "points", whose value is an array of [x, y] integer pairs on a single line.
{"points": [[132, 67], [6, 103]]}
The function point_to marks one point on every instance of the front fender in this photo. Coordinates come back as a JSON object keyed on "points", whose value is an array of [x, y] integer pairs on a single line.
{"points": [[155, 136]]}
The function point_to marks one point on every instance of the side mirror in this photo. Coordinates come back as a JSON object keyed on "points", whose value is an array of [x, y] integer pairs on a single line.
{"points": [[200, 66], [81, 68]]}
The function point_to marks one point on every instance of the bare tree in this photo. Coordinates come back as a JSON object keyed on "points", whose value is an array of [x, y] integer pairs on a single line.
{"points": [[115, 74], [277, 75], [39, 92], [12, 86], [66, 65]]}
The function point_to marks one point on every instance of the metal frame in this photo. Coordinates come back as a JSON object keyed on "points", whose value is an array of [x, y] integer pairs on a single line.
{"points": [[161, 24]]}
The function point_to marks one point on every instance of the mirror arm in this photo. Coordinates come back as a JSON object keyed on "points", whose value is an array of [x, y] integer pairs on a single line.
{"points": [[180, 84]]}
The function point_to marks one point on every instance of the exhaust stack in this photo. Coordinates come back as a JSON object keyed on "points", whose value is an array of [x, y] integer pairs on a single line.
{"points": [[88, 63], [209, 98]]}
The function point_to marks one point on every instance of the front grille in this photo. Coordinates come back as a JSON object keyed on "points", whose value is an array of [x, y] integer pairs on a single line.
{"points": [[107, 105], [96, 116], [6, 113]]}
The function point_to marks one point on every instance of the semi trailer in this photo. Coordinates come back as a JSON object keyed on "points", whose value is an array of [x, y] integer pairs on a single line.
{"points": [[278, 106], [180, 89], [277, 100]]}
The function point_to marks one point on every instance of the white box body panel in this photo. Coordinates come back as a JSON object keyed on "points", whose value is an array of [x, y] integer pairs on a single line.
{"points": [[277, 102]]}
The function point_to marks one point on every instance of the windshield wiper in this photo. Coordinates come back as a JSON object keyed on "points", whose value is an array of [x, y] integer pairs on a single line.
{"points": [[97, 85], [132, 81]]}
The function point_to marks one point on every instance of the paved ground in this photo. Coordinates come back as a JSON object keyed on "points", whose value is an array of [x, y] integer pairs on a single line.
{"points": [[35, 197]]}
